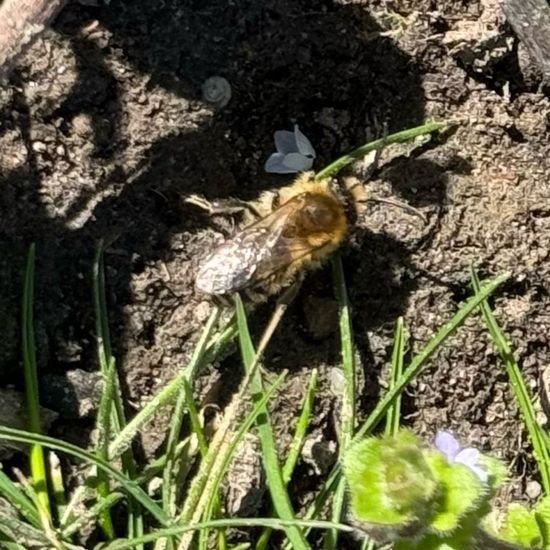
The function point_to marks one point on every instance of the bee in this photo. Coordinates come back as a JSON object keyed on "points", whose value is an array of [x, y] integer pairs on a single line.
{"points": [[284, 234]]}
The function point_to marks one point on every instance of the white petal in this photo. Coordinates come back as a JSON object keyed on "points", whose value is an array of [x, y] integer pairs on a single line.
{"points": [[468, 457], [297, 162], [447, 444], [302, 143], [285, 142], [274, 165]]}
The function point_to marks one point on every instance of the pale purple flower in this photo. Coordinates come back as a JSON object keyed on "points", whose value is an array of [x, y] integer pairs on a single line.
{"points": [[450, 447], [294, 153]]}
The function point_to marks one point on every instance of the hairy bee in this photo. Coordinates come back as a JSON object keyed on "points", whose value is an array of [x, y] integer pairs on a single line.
{"points": [[285, 233]]}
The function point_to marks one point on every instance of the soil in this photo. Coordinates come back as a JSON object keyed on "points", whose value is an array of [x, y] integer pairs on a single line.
{"points": [[103, 133]]}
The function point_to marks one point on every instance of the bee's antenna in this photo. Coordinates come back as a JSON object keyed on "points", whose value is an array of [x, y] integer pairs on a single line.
{"points": [[399, 204]]}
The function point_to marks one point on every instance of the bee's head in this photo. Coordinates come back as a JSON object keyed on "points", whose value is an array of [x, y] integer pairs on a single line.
{"points": [[351, 194]]}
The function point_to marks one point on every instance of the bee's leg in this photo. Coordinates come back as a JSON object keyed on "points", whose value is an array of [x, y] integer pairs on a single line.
{"points": [[284, 300], [223, 207]]}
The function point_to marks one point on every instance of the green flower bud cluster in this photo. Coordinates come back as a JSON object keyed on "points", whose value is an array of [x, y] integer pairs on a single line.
{"points": [[421, 497]]}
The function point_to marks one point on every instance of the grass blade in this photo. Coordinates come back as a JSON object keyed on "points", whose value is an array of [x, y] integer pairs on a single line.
{"points": [[206, 483], [213, 507], [397, 360], [277, 488], [295, 447], [203, 352], [348, 360], [185, 402], [200, 498], [89, 515], [524, 400], [5, 543], [113, 418], [107, 362], [415, 367], [19, 500], [419, 362], [278, 524], [46, 529], [244, 427], [128, 485], [347, 425], [360, 152], [301, 428], [104, 415], [36, 456], [195, 418], [57, 484], [169, 493], [16, 531]]}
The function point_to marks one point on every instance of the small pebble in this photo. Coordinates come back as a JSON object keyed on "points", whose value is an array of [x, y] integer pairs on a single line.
{"points": [[337, 381], [216, 91], [533, 490], [38, 146]]}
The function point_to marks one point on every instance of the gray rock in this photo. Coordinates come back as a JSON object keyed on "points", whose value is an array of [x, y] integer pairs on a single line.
{"points": [[75, 394]]}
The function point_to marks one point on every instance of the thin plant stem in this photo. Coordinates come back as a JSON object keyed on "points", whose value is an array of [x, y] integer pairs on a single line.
{"points": [[360, 152]]}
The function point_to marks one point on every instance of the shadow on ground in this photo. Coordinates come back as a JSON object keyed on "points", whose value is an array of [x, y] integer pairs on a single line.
{"points": [[326, 66]]}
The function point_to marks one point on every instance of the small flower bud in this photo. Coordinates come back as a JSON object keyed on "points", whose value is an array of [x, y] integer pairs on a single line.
{"points": [[391, 484]]}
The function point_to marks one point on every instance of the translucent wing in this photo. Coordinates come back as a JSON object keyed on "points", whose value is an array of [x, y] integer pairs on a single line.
{"points": [[255, 253]]}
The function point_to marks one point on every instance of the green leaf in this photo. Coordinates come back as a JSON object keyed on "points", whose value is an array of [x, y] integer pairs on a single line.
{"points": [[462, 493], [497, 472], [520, 526], [542, 515]]}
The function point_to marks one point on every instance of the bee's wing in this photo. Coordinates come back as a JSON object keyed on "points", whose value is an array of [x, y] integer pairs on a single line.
{"points": [[255, 253], [275, 246], [283, 252]]}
